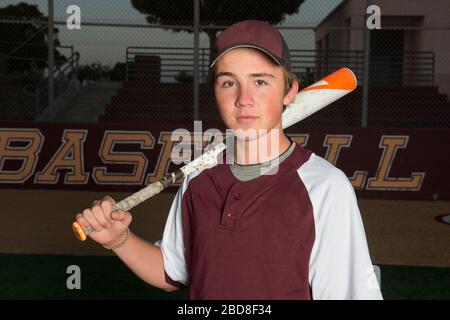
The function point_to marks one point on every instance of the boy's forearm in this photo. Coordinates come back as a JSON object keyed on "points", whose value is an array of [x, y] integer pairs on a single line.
{"points": [[145, 260]]}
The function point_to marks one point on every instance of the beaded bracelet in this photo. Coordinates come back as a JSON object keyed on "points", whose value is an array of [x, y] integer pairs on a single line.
{"points": [[117, 246]]}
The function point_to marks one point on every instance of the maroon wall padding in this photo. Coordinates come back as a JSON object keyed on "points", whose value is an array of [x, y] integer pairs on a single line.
{"points": [[408, 164]]}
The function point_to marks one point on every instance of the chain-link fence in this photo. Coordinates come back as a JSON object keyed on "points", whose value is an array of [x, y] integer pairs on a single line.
{"points": [[133, 61]]}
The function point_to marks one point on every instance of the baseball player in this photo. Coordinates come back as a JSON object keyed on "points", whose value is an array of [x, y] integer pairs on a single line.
{"points": [[284, 224]]}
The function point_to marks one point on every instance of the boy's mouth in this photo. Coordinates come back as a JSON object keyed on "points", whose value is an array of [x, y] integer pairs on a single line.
{"points": [[246, 119]]}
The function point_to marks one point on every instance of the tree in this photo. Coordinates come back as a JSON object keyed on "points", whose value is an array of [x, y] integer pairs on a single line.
{"points": [[184, 77], [118, 72], [23, 46], [94, 71], [214, 13]]}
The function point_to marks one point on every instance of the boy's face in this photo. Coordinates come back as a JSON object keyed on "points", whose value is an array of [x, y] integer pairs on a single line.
{"points": [[249, 89]]}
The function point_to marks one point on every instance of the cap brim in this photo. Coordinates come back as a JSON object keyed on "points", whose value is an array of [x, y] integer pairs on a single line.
{"points": [[270, 54]]}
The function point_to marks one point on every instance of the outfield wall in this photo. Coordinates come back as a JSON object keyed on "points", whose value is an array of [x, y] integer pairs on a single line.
{"points": [[402, 164]]}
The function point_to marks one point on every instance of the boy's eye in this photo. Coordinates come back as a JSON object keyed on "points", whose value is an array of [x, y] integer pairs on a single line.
{"points": [[227, 84], [260, 82]]}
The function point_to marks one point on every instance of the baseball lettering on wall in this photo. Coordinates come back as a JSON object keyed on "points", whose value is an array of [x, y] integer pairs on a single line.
{"points": [[334, 143], [382, 181], [69, 156], [19, 146], [380, 163], [136, 160]]}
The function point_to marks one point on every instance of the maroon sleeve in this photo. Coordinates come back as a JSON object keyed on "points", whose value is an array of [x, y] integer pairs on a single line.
{"points": [[177, 284]]}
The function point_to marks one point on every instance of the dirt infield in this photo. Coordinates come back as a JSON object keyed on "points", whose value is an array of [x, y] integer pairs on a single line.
{"points": [[38, 221]]}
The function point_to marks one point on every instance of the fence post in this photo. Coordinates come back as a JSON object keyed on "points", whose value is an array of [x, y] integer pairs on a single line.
{"points": [[196, 60], [365, 102], [37, 91], [51, 59], [126, 64], [71, 56]]}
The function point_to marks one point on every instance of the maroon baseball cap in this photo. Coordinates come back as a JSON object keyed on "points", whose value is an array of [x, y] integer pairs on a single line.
{"points": [[253, 34]]}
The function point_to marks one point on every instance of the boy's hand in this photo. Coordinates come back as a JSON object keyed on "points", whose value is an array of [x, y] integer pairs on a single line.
{"points": [[110, 227]]}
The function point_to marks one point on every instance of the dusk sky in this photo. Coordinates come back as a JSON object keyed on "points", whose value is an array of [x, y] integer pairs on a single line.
{"points": [[107, 45]]}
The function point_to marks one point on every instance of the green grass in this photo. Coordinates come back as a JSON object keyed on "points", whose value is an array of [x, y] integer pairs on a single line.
{"points": [[401, 282], [45, 276]]}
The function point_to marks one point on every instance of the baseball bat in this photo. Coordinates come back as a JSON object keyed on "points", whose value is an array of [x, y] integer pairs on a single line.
{"points": [[307, 101]]}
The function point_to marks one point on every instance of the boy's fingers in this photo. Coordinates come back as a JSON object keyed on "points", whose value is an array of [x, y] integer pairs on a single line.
{"points": [[118, 215], [92, 221], [106, 209], [94, 203], [109, 199], [122, 216], [100, 215], [81, 220]]}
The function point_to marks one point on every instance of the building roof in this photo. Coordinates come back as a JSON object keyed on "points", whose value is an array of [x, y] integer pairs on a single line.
{"points": [[332, 12]]}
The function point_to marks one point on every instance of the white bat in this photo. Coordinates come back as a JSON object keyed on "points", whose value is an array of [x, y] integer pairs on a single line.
{"points": [[307, 101]]}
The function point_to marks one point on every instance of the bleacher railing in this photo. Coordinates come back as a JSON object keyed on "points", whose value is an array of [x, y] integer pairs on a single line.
{"points": [[31, 99], [63, 74], [175, 64]]}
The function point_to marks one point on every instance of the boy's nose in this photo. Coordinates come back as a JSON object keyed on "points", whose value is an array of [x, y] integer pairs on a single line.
{"points": [[244, 98]]}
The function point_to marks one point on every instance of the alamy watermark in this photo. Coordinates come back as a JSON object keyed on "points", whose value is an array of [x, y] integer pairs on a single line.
{"points": [[74, 280], [374, 17], [73, 21]]}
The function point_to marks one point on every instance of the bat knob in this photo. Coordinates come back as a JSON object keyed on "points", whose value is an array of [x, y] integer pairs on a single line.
{"points": [[79, 231]]}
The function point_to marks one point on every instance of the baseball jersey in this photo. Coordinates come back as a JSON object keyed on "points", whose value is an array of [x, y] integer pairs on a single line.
{"points": [[292, 233]]}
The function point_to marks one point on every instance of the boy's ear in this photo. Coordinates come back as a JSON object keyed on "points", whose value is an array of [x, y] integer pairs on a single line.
{"points": [[290, 96]]}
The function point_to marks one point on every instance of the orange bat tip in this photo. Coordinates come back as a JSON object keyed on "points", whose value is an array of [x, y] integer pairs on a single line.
{"points": [[351, 77], [79, 232], [342, 79]]}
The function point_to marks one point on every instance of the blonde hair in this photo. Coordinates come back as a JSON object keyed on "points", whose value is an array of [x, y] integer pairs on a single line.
{"points": [[289, 79]]}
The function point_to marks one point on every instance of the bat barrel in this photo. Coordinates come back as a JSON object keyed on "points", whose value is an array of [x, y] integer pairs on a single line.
{"points": [[319, 95]]}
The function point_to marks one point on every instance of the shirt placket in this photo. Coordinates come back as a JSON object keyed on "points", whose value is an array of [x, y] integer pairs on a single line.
{"points": [[232, 209]]}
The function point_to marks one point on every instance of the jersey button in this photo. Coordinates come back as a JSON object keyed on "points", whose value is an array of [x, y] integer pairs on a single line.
{"points": [[229, 221], [237, 196]]}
